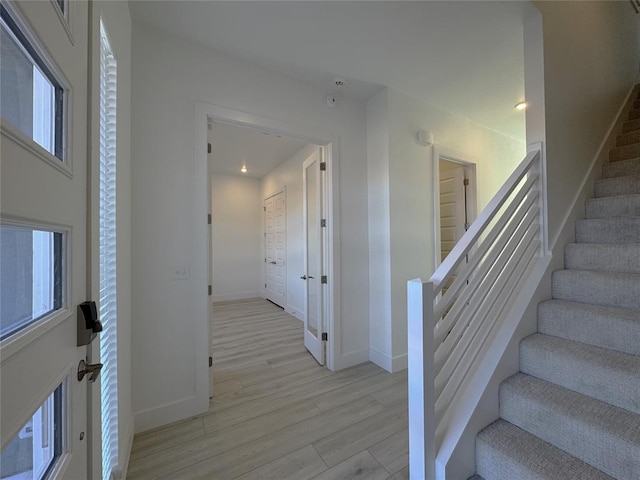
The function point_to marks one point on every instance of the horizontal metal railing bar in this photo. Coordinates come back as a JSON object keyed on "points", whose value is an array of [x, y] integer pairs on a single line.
{"points": [[514, 228], [466, 356], [467, 241], [487, 273], [506, 259], [484, 245]]}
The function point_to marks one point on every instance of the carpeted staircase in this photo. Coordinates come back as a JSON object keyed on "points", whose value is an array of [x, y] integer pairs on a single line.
{"points": [[573, 411]]}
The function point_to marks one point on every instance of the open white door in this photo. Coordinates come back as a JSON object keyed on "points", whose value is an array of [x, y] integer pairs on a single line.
{"points": [[312, 186], [43, 238]]}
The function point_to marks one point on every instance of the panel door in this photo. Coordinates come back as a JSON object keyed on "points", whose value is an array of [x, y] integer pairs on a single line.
{"points": [[43, 209], [275, 248]]}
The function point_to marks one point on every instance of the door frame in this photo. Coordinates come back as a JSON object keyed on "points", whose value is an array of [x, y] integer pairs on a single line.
{"points": [[282, 190], [472, 206], [207, 112]]}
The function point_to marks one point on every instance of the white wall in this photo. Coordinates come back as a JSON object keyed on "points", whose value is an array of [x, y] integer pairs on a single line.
{"points": [[117, 20], [236, 237], [288, 176], [589, 69], [169, 77], [407, 167]]}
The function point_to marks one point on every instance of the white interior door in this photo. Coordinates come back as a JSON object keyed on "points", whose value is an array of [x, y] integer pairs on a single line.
{"points": [[275, 248], [43, 241], [312, 184], [452, 206]]}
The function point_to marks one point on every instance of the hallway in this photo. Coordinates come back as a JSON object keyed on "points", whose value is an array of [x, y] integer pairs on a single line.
{"points": [[277, 414]]}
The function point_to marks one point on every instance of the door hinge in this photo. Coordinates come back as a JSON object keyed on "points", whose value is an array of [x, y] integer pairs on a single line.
{"points": [[208, 148], [208, 218], [323, 222], [323, 166], [323, 279], [210, 289], [466, 182], [210, 362], [325, 337]]}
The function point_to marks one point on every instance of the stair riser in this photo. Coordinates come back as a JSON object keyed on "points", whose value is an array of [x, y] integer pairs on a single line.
{"points": [[621, 169], [608, 230], [630, 126], [603, 257], [624, 153], [634, 114], [614, 290], [613, 207], [610, 187], [605, 375], [616, 329], [571, 433], [628, 138]]}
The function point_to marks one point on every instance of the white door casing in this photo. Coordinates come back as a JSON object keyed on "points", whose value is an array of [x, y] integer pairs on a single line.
{"points": [[41, 191], [275, 231], [313, 210]]}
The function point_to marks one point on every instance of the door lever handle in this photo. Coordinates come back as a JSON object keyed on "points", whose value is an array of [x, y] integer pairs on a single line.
{"points": [[304, 277], [273, 263], [92, 369]]}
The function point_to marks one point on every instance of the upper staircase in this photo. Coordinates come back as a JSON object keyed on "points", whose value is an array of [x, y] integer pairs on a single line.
{"points": [[573, 410]]}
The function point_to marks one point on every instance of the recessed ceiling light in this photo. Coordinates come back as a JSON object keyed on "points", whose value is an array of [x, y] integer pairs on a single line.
{"points": [[244, 169], [521, 105]]}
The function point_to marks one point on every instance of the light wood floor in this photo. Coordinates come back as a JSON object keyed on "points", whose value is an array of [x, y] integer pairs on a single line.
{"points": [[277, 414]]}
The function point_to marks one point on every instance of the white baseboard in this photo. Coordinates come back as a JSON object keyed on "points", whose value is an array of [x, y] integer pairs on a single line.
{"points": [[295, 312], [227, 297], [169, 413], [390, 364]]}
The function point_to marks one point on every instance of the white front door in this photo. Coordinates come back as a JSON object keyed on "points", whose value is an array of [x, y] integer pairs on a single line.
{"points": [[43, 244], [275, 248], [313, 209]]}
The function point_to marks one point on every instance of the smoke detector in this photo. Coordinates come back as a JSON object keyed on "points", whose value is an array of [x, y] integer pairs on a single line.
{"points": [[338, 83], [331, 100]]}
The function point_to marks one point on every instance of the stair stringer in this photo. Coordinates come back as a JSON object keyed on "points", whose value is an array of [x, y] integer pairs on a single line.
{"points": [[479, 406]]}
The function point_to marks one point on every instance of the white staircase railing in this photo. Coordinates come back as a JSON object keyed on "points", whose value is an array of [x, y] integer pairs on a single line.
{"points": [[453, 316]]}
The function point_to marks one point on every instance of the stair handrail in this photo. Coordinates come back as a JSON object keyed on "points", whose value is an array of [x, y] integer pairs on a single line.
{"points": [[449, 331]]}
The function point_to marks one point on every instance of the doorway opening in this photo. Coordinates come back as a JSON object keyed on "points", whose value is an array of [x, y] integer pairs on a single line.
{"points": [[456, 202], [293, 231]]}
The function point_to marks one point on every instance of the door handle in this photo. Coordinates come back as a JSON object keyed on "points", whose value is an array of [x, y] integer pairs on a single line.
{"points": [[92, 369], [310, 277], [304, 277], [273, 263]]}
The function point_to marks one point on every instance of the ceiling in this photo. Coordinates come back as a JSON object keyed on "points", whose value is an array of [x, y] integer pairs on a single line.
{"points": [[233, 146], [465, 57]]}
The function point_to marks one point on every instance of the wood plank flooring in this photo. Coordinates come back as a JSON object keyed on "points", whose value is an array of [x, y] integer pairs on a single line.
{"points": [[277, 414]]}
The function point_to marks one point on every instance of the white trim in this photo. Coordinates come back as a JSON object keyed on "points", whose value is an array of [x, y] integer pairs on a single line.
{"points": [[390, 364], [169, 412], [65, 18], [227, 297], [125, 452], [206, 112], [295, 312], [25, 141]]}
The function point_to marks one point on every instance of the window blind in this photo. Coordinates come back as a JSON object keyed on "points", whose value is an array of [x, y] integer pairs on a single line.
{"points": [[108, 297]]}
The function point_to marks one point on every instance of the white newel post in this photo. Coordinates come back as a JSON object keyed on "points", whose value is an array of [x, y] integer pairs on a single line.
{"points": [[422, 449]]}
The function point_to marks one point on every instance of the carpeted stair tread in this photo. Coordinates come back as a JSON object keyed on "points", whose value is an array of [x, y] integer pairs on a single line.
{"points": [[617, 206], [608, 230], [603, 435], [634, 114], [624, 153], [506, 452], [600, 373], [608, 257], [621, 168], [609, 187], [630, 126], [606, 327], [598, 288], [628, 138]]}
